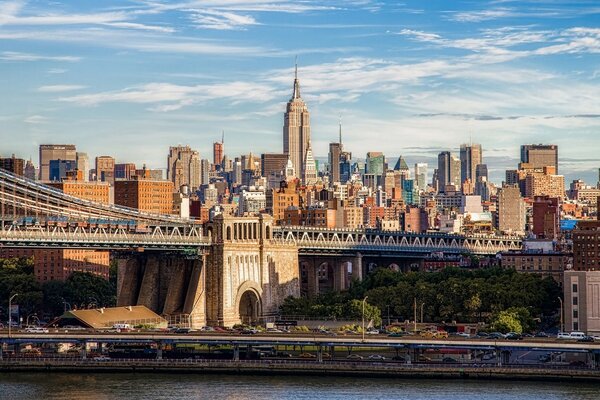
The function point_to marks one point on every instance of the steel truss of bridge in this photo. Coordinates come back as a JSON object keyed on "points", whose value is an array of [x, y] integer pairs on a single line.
{"points": [[158, 237], [321, 240]]}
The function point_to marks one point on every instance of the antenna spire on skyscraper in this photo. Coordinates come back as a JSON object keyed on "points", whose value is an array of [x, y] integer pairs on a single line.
{"points": [[340, 128], [296, 94]]}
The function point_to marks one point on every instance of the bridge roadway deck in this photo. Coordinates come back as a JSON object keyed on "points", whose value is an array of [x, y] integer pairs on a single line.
{"points": [[319, 340]]}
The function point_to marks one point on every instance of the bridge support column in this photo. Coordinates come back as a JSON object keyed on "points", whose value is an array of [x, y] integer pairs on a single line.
{"points": [[357, 269], [236, 352], [176, 292], [340, 274], [159, 351], [149, 291], [313, 279], [128, 277], [320, 354]]}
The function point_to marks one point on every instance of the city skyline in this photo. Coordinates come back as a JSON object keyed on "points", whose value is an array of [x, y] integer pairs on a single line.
{"points": [[107, 78]]}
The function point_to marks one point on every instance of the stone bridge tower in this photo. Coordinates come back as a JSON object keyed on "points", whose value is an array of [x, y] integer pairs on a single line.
{"points": [[248, 273]]}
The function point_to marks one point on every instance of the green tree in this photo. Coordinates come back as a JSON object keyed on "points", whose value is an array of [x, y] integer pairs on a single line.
{"points": [[506, 321]]}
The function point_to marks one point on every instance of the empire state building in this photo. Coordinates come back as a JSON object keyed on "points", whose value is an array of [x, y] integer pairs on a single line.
{"points": [[296, 129]]}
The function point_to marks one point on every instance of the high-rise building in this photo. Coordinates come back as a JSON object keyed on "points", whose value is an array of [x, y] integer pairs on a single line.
{"points": [[470, 158], [59, 169], [421, 176], [83, 164], [204, 172], [540, 155], [105, 169], [335, 152], [219, 152], [13, 164], [145, 195], [296, 128], [309, 175], [443, 170], [29, 171], [375, 163], [48, 152], [183, 167], [272, 163], [511, 210], [125, 171], [546, 217], [455, 175]]}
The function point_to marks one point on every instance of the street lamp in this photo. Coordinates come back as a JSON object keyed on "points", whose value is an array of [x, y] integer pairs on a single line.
{"points": [[561, 313], [422, 305], [363, 317], [10, 313]]}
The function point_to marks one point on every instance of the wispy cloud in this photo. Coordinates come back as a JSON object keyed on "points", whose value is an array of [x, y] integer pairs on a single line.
{"points": [[59, 88], [221, 20], [17, 56], [36, 120]]}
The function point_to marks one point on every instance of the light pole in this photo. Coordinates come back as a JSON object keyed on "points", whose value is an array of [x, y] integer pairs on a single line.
{"points": [[363, 317], [388, 310], [10, 313], [415, 312], [422, 305], [561, 313]]}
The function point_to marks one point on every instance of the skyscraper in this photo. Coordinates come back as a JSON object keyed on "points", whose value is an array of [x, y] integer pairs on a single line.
{"points": [[105, 169], [443, 170], [83, 164], [470, 158], [219, 152], [540, 155], [183, 167], [309, 175], [335, 153], [296, 128], [421, 176], [49, 152], [375, 163]]}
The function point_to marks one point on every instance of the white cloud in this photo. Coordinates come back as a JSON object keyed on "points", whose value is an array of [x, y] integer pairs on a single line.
{"points": [[36, 120], [221, 20], [59, 88], [16, 56], [483, 15]]}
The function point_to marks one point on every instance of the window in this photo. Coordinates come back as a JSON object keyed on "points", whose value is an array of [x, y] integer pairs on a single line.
{"points": [[575, 314], [574, 288], [574, 301]]}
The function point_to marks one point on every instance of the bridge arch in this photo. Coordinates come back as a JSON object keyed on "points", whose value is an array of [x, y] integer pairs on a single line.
{"points": [[248, 302]]}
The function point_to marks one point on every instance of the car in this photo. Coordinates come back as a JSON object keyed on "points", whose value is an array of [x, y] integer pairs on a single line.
{"points": [[399, 358], [207, 329], [482, 335], [586, 339], [513, 336], [376, 357], [32, 329], [372, 332], [101, 358], [184, 330], [449, 360], [398, 334], [462, 334], [541, 335], [496, 335], [355, 357], [307, 355], [273, 330], [440, 335], [249, 332]]}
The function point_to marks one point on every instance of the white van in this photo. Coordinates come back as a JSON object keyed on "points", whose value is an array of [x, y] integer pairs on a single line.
{"points": [[577, 335], [122, 327]]}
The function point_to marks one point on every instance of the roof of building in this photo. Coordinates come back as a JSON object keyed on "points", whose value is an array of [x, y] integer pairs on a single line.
{"points": [[106, 317]]}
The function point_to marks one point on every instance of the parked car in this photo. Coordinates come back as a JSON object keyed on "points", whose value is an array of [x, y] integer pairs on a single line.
{"points": [[449, 360], [32, 329], [399, 358], [376, 357], [514, 336], [541, 335], [307, 355], [354, 357], [495, 336], [586, 339]]}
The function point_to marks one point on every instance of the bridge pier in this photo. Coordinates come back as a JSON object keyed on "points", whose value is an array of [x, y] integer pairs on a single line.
{"points": [[357, 268], [313, 278]]}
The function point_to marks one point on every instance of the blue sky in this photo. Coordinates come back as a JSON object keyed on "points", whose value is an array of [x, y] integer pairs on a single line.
{"points": [[131, 78]]}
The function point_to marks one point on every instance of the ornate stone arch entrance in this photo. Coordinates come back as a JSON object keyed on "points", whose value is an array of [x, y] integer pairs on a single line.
{"points": [[249, 304]]}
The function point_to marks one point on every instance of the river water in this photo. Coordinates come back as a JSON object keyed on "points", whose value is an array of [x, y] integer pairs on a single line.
{"points": [[132, 386]]}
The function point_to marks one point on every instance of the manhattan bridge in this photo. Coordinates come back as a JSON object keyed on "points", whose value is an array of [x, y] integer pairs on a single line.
{"points": [[225, 271]]}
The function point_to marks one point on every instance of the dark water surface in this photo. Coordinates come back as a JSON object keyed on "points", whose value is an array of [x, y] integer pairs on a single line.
{"points": [[130, 386]]}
